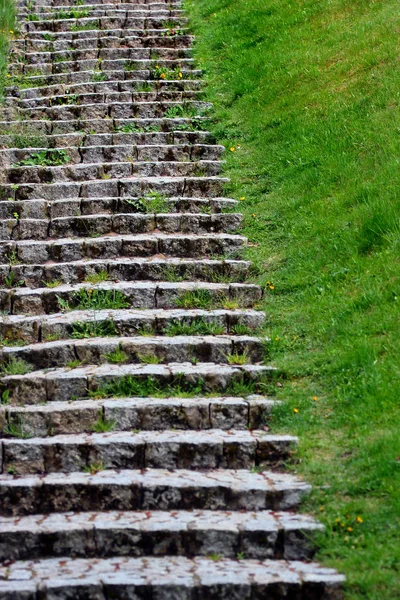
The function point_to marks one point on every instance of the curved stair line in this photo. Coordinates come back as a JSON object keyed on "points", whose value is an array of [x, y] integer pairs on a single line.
{"points": [[136, 458]]}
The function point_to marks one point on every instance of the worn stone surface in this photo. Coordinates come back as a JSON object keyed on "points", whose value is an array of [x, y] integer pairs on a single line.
{"points": [[121, 263]]}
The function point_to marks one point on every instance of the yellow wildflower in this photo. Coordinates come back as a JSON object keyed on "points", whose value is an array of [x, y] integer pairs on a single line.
{"points": [[162, 75], [242, 198], [180, 75], [11, 31], [271, 287], [359, 519], [350, 529], [233, 149], [315, 398], [296, 410]]}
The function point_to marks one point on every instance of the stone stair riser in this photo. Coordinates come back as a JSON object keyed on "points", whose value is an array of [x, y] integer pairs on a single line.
{"points": [[155, 414]]}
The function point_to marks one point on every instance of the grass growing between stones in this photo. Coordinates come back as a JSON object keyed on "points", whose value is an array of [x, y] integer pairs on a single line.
{"points": [[306, 101]]}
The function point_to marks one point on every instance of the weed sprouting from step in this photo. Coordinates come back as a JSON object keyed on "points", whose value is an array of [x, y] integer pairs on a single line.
{"points": [[20, 140], [94, 299], [195, 327], [11, 280], [84, 27], [131, 65], [5, 397], [53, 284], [99, 76], [241, 329], [149, 359], [214, 556], [201, 299], [144, 87], [134, 128], [143, 387], [10, 341], [14, 428], [153, 202], [164, 73], [73, 364], [16, 366], [237, 358], [192, 125], [71, 14], [45, 158], [103, 425], [99, 277], [117, 357], [182, 111], [89, 329], [94, 468]]}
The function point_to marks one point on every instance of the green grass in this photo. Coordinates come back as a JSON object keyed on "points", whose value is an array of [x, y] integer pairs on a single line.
{"points": [[306, 103], [7, 28], [94, 299]]}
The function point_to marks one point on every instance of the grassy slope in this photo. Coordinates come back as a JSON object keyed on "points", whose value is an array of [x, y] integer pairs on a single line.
{"points": [[310, 91], [7, 25]]}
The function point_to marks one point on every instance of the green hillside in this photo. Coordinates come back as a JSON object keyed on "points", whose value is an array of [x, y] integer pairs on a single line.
{"points": [[306, 99]]}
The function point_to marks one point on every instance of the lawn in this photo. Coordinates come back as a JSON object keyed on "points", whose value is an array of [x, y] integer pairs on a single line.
{"points": [[306, 98], [7, 26]]}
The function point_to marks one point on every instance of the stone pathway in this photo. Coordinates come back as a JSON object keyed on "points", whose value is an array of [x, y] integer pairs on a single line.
{"points": [[136, 459]]}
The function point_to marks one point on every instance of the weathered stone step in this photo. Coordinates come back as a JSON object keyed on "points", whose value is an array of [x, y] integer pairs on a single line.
{"points": [[111, 21], [153, 489], [92, 11], [125, 223], [101, 40], [195, 450], [103, 381], [82, 139], [155, 414], [122, 244], [11, 158], [138, 350], [160, 577], [126, 322], [261, 535], [41, 209], [104, 54], [129, 187], [93, 75], [123, 65], [126, 269], [84, 33], [117, 110], [87, 127], [140, 295], [100, 98], [103, 87], [109, 170]]}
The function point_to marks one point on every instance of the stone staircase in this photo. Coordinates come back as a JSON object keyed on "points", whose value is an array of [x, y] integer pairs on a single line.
{"points": [[136, 456]]}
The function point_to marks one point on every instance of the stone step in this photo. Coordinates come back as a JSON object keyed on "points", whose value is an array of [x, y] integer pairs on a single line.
{"points": [[94, 75], [153, 489], [92, 32], [121, 187], [105, 65], [118, 110], [10, 158], [196, 125], [174, 96], [127, 322], [104, 87], [166, 230], [140, 295], [170, 577], [155, 414], [109, 379], [122, 244], [103, 23], [88, 207], [194, 450], [114, 39], [104, 10], [81, 139], [103, 54], [124, 269], [110, 170], [70, 353], [261, 535]]}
